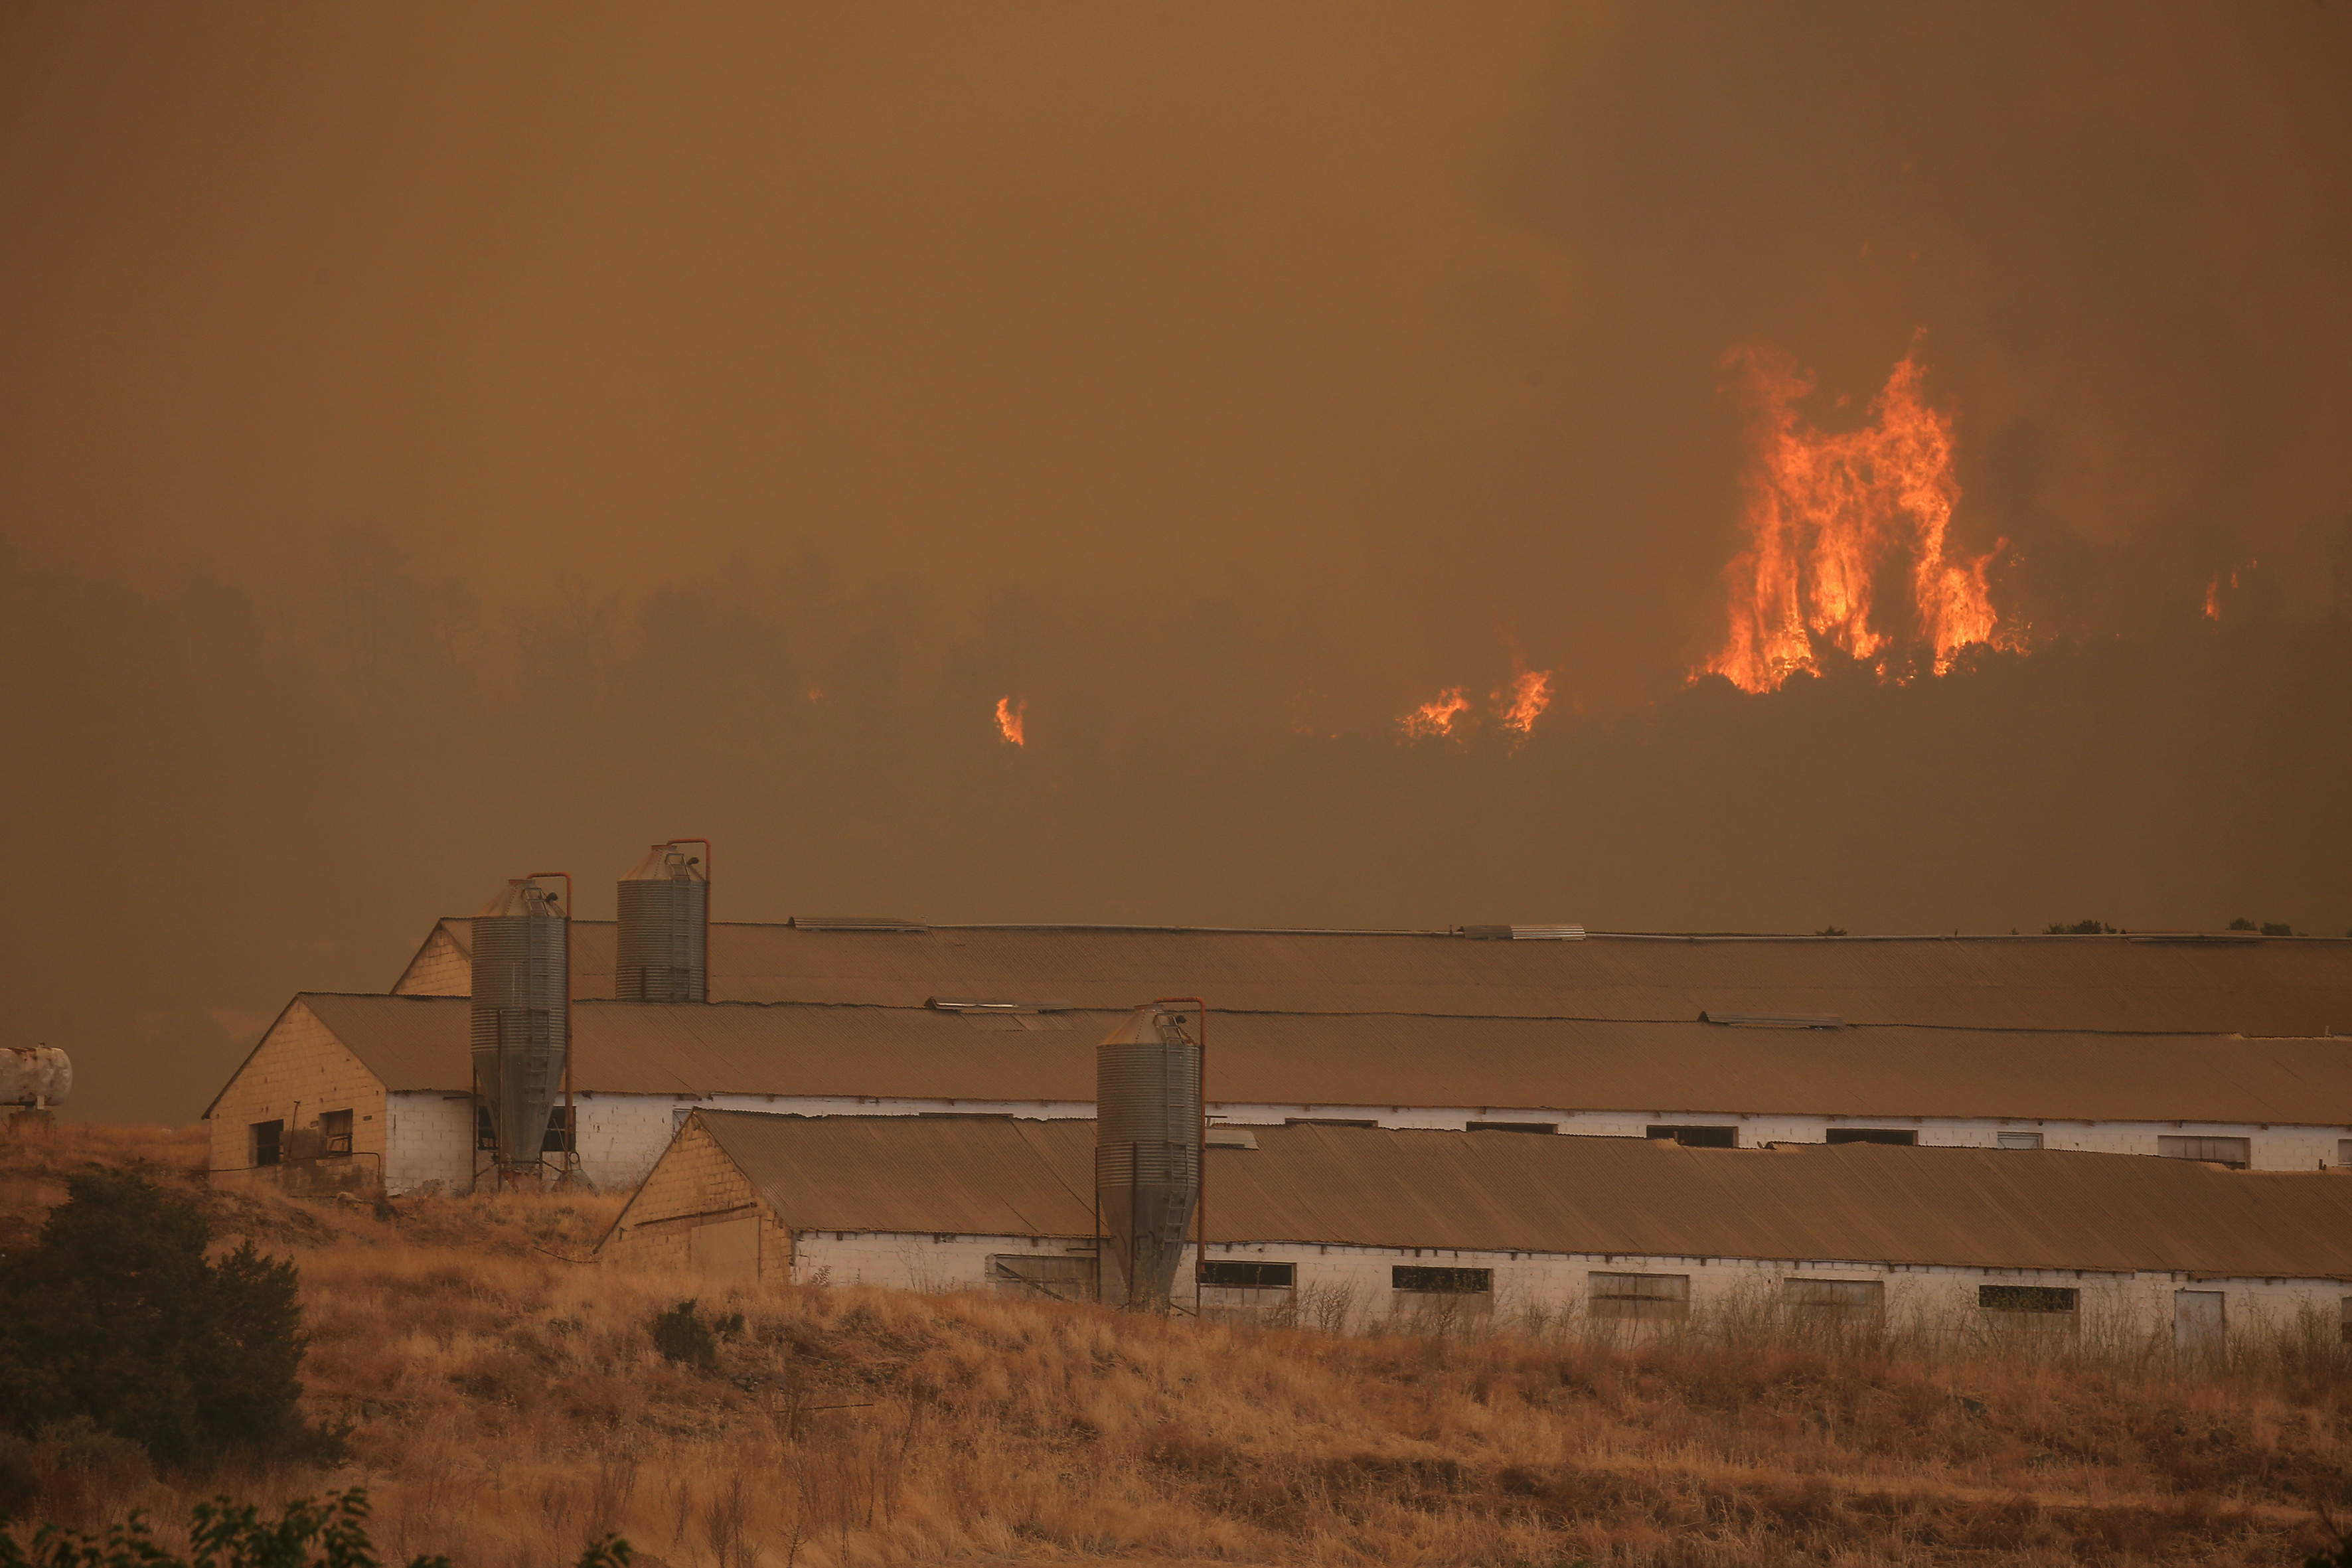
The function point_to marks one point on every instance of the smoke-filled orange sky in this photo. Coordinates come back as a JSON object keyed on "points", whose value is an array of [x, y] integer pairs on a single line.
{"points": [[438, 439]]}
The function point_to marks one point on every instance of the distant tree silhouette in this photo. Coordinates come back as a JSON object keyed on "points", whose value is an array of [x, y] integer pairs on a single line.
{"points": [[2080, 928]]}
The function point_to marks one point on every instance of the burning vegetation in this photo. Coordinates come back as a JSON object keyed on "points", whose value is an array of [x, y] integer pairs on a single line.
{"points": [[1849, 545], [1435, 718], [1517, 706]]}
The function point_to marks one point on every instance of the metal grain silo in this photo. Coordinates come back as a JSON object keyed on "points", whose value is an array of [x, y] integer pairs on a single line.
{"points": [[663, 940], [39, 1075], [1148, 1139], [521, 976]]}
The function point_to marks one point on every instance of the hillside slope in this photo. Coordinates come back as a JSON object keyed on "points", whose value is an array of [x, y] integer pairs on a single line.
{"points": [[506, 1403]]}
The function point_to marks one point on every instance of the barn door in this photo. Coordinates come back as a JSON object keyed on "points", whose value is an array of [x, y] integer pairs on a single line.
{"points": [[2198, 1325], [726, 1253]]}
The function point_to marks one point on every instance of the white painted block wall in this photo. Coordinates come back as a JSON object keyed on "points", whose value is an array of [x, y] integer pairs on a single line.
{"points": [[622, 1135], [2131, 1304]]}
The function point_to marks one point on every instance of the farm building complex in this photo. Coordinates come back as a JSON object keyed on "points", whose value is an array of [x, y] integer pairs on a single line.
{"points": [[393, 1074], [1333, 1225], [2218, 1049]]}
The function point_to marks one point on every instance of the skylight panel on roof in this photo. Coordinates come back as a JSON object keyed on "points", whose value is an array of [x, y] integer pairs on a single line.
{"points": [[1521, 933]]}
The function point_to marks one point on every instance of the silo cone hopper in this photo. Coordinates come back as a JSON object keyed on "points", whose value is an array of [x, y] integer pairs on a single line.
{"points": [[1147, 1153]]}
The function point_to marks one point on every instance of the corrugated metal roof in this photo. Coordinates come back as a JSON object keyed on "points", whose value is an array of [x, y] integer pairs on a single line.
{"points": [[1495, 1192], [2288, 987], [979, 1175], [688, 1048]]}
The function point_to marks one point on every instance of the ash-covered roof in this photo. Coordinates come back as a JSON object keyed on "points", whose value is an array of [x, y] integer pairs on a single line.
{"points": [[2148, 985], [1501, 1191], [1392, 1059]]}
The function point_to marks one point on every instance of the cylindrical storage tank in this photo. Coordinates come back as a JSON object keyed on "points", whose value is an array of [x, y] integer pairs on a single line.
{"points": [[34, 1074], [664, 923], [1147, 1153], [521, 977]]}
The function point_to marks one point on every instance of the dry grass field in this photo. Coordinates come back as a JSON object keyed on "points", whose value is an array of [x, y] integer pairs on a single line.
{"points": [[505, 1404]]}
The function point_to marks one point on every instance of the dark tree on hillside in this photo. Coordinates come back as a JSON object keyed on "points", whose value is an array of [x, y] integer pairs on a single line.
{"points": [[115, 1315]]}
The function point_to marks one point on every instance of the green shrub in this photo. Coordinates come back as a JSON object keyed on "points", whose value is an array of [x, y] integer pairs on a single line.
{"points": [[117, 1317]]}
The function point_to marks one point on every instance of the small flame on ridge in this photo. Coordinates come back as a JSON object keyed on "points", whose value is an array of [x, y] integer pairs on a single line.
{"points": [[1525, 699], [1009, 719], [1436, 718]]}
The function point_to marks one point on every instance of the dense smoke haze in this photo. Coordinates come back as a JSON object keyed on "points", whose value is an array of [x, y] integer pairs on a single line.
{"points": [[441, 444]]}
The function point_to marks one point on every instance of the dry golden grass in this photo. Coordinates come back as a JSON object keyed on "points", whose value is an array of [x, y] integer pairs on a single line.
{"points": [[507, 1404]]}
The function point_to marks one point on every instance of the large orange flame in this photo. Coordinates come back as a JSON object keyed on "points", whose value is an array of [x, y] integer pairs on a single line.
{"points": [[1525, 699], [1435, 718], [1827, 515], [1009, 719]]}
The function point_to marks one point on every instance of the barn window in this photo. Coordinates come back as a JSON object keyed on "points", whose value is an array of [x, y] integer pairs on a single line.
{"points": [[1442, 1281], [485, 1132], [1510, 1126], [2034, 1308], [1697, 1137], [1832, 1300], [558, 1139], [1640, 1297], [2344, 1151], [1440, 1291], [1246, 1290], [335, 1131], [1057, 1278], [1906, 1136], [267, 1142], [2020, 1140], [2234, 1153], [1250, 1275]]}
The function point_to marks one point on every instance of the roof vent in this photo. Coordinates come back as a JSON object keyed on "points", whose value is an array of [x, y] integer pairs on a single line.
{"points": [[1521, 933], [1774, 1020], [856, 922], [972, 1005]]}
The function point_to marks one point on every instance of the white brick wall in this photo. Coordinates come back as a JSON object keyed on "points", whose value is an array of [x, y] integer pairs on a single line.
{"points": [[432, 1141], [622, 1135], [2132, 1304]]}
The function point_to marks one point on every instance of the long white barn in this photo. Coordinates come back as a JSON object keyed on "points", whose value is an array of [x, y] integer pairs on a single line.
{"points": [[1336, 1225]]}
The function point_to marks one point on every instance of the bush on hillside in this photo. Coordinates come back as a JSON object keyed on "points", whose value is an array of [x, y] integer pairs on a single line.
{"points": [[116, 1317], [682, 1336], [329, 1533]]}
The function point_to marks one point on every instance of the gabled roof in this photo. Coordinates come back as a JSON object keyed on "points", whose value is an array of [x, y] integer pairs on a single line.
{"points": [[1499, 1192], [2158, 985], [689, 1048]]}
